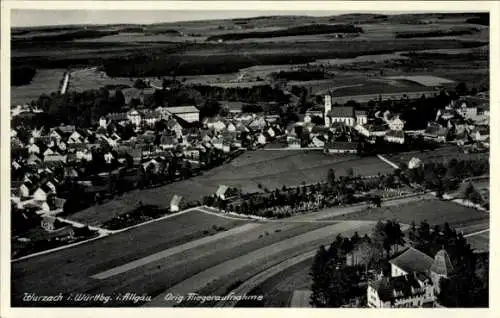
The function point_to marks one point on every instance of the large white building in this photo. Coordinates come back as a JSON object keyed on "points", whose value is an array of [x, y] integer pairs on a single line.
{"points": [[414, 280], [190, 114]]}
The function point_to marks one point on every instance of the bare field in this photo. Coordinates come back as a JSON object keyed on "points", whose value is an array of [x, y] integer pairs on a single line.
{"points": [[45, 81], [271, 169]]}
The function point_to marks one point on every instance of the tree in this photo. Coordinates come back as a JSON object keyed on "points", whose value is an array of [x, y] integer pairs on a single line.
{"points": [[461, 89], [119, 100], [350, 172], [140, 84]]}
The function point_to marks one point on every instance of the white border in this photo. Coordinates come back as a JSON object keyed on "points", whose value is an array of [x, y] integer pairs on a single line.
{"points": [[296, 8]]}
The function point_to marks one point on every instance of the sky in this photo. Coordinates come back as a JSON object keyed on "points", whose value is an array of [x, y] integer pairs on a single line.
{"points": [[23, 18]]}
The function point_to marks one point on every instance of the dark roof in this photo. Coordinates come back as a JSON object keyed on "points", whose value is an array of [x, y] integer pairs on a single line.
{"points": [[342, 145], [413, 261], [395, 133], [342, 111], [442, 263]]}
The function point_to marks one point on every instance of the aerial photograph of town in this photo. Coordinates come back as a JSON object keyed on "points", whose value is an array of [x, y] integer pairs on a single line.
{"points": [[249, 159]]}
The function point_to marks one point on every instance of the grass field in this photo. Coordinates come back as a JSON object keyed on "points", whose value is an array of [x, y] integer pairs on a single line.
{"points": [[444, 153], [278, 290], [45, 81], [75, 264], [271, 169], [85, 79], [434, 211]]}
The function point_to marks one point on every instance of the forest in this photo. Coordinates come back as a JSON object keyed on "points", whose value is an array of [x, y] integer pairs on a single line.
{"points": [[294, 31]]}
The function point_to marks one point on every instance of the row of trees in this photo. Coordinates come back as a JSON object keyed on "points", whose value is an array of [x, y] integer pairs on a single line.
{"points": [[286, 201], [446, 176]]}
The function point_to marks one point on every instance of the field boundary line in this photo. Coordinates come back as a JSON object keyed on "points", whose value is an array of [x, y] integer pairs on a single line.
{"points": [[477, 233], [390, 163]]}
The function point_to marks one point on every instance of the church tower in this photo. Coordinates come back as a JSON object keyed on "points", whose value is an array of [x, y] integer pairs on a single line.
{"points": [[328, 108], [441, 268]]}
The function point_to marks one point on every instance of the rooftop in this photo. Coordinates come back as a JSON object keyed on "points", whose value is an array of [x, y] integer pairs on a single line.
{"points": [[413, 261], [183, 109]]}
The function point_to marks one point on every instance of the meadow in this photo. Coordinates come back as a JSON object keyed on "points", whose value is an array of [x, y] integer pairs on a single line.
{"points": [[45, 81], [267, 168], [434, 211]]}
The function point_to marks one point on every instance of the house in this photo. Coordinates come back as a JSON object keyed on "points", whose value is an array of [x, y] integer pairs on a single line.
{"points": [[318, 141], [33, 148], [230, 127], [55, 157], [395, 136], [221, 192], [76, 137], [435, 132], [341, 147], [215, 124], [174, 203], [311, 113], [108, 157], [57, 134], [414, 163], [173, 125], [26, 189], [395, 123], [190, 114], [361, 117], [41, 193], [293, 142], [261, 139], [48, 223], [84, 154], [480, 133], [372, 130], [33, 159], [407, 291], [414, 280], [134, 117], [258, 124]]}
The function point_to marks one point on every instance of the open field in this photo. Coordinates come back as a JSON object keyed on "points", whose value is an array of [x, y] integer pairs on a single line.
{"points": [[217, 279], [156, 275], [164, 257], [45, 81], [434, 211], [444, 153], [86, 79], [278, 289], [271, 169]]}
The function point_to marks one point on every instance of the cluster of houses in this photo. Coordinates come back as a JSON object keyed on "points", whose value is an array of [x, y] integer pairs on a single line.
{"points": [[53, 155], [460, 122]]}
